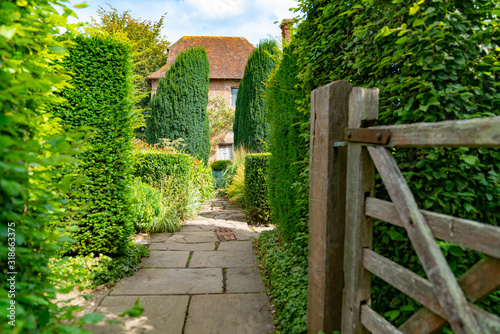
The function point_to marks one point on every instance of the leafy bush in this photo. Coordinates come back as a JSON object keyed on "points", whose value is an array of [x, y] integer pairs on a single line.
{"points": [[146, 205], [33, 154], [289, 146], [179, 108], [256, 190], [231, 170], [432, 61], [183, 181], [88, 271], [220, 120], [250, 128], [236, 189], [285, 275], [101, 99], [220, 164]]}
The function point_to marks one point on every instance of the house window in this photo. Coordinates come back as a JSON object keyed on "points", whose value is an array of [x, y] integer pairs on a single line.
{"points": [[225, 152], [234, 95]]}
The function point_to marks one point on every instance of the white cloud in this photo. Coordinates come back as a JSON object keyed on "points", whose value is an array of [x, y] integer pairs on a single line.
{"points": [[252, 19]]}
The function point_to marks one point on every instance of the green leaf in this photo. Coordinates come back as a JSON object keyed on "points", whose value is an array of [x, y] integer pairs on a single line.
{"points": [[392, 314], [471, 160], [7, 32], [418, 22], [402, 40], [456, 251], [92, 318], [81, 5]]}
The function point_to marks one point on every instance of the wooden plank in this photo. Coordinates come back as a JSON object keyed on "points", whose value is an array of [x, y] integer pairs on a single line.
{"points": [[467, 233], [478, 282], [329, 113], [375, 323], [477, 132], [448, 292], [363, 108]]}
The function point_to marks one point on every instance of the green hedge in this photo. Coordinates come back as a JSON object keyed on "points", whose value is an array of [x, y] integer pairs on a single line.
{"points": [[220, 165], [101, 99], [256, 190], [179, 108], [154, 166], [432, 61], [288, 146], [250, 128]]}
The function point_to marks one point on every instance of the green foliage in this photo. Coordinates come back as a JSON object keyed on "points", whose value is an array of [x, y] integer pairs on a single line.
{"points": [[88, 271], [220, 120], [289, 147], [101, 99], [179, 108], [146, 206], [150, 47], [236, 189], [285, 275], [256, 188], [183, 182], [432, 61], [33, 153], [221, 164], [250, 128]]}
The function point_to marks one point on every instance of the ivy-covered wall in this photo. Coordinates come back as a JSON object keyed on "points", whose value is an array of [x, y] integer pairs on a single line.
{"points": [[100, 99]]}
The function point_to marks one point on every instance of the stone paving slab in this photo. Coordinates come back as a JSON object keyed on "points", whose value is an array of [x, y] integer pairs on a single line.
{"points": [[245, 235], [189, 237], [170, 281], [160, 237], [162, 314], [178, 246], [161, 259], [235, 314], [244, 246], [244, 280], [212, 259], [200, 227]]}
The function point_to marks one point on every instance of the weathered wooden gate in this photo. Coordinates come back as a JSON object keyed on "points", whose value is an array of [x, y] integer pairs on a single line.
{"points": [[345, 151]]}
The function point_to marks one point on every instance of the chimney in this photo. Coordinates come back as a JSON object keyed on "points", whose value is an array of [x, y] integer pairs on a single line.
{"points": [[285, 26]]}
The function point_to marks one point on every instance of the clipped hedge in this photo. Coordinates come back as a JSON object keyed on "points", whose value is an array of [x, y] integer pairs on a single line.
{"points": [[432, 61], [221, 165], [250, 128], [101, 99], [289, 147], [256, 189], [154, 166], [179, 108]]}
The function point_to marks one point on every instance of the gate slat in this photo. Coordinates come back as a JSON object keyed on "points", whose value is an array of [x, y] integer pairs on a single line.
{"points": [[375, 323], [474, 235], [450, 296]]}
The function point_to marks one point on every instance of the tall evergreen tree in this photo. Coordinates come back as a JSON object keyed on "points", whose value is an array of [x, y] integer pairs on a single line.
{"points": [[179, 108], [250, 128]]}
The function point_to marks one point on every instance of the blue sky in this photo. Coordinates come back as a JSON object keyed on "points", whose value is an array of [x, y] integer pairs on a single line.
{"points": [[252, 19]]}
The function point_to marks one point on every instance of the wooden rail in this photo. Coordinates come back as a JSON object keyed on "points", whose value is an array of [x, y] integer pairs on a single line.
{"points": [[446, 299]]}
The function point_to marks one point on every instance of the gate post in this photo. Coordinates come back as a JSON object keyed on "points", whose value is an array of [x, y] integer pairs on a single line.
{"points": [[327, 184]]}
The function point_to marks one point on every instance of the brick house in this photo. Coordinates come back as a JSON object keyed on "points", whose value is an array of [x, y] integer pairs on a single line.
{"points": [[227, 57]]}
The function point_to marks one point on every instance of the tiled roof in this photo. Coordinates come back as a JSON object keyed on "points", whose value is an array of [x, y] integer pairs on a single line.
{"points": [[227, 56]]}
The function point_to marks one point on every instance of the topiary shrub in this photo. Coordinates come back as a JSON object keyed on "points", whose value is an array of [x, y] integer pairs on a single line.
{"points": [[101, 99], [250, 128], [221, 165], [256, 190], [179, 108]]}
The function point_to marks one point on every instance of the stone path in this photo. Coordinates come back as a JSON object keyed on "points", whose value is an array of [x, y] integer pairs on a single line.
{"points": [[196, 281]]}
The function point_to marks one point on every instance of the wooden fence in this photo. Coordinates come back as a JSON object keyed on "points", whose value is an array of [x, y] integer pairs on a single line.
{"points": [[345, 151]]}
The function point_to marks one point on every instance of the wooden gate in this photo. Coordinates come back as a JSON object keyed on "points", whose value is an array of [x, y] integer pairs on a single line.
{"points": [[364, 148]]}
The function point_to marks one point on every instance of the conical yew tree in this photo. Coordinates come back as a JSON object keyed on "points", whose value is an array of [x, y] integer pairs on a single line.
{"points": [[179, 108]]}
